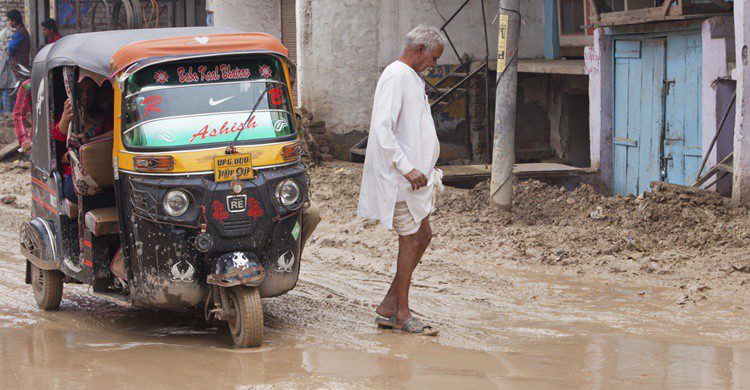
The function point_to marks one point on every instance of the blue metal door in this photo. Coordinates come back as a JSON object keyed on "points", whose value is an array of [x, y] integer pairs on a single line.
{"points": [[682, 131], [638, 113]]}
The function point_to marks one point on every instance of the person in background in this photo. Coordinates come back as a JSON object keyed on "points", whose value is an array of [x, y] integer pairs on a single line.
{"points": [[18, 50], [7, 79], [19, 47], [49, 29], [22, 116]]}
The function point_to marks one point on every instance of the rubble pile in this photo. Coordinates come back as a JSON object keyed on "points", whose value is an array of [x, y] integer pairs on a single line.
{"points": [[668, 214]]}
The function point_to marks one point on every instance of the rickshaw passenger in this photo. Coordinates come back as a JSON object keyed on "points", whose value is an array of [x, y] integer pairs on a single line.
{"points": [[95, 120]]}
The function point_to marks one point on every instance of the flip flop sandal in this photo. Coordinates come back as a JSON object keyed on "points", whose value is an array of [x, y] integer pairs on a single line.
{"points": [[417, 327], [387, 323]]}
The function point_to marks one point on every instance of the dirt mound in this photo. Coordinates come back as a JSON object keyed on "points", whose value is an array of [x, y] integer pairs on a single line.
{"points": [[668, 214]]}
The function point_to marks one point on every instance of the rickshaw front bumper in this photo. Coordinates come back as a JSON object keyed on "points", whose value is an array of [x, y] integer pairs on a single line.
{"points": [[206, 237], [237, 268]]}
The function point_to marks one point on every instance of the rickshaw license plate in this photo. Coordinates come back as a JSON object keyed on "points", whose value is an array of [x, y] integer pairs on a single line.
{"points": [[233, 167]]}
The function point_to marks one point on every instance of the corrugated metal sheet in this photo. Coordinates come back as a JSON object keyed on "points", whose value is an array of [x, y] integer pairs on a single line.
{"points": [[289, 27], [289, 31]]}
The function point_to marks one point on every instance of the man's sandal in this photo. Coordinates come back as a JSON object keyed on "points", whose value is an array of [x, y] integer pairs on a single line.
{"points": [[387, 323], [417, 327]]}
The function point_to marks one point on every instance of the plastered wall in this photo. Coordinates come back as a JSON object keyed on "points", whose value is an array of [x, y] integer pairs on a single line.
{"points": [[344, 45], [249, 15]]}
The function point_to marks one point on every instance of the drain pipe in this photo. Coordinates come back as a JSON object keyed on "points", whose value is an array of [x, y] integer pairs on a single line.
{"points": [[503, 151]]}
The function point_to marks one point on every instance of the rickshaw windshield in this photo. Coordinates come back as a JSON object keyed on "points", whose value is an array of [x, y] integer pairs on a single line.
{"points": [[184, 105]]}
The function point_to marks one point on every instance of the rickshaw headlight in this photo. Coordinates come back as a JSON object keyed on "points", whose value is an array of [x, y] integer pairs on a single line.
{"points": [[176, 202], [287, 192]]}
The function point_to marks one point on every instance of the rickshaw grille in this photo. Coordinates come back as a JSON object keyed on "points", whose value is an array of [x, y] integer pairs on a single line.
{"points": [[237, 226]]}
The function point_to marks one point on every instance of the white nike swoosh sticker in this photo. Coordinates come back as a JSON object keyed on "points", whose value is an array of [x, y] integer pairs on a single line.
{"points": [[213, 102]]}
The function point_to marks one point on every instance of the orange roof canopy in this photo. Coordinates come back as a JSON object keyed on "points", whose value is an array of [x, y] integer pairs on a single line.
{"points": [[204, 44]]}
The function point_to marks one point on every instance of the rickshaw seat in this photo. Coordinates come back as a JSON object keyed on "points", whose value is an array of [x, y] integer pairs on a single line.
{"points": [[70, 209], [96, 159], [102, 221]]}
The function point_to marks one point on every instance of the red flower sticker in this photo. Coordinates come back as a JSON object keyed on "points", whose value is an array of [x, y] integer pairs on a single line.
{"points": [[265, 71], [161, 76], [219, 213], [254, 209], [276, 96]]}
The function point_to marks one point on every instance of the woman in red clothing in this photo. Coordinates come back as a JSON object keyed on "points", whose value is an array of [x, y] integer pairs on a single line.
{"points": [[95, 122]]}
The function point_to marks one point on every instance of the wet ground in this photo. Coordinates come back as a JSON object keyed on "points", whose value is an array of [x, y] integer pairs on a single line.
{"points": [[502, 324]]}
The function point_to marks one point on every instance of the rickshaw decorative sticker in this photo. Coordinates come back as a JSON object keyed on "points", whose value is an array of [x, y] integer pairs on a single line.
{"points": [[277, 96], [207, 129], [184, 275], [265, 71], [161, 77], [222, 72], [254, 210], [150, 103], [164, 135], [219, 213], [280, 126], [285, 262], [239, 259], [296, 230], [223, 129], [203, 40]]}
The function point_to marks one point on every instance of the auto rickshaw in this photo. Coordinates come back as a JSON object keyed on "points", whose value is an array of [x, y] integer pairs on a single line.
{"points": [[199, 194]]}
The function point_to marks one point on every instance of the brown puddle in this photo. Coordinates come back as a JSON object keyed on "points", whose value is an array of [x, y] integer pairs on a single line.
{"points": [[91, 343], [500, 328]]}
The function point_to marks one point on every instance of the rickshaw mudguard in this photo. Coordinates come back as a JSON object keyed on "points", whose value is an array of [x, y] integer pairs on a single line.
{"points": [[281, 259], [37, 244], [236, 268]]}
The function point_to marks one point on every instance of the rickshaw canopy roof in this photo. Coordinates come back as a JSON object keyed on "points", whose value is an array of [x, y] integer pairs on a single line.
{"points": [[108, 52]]}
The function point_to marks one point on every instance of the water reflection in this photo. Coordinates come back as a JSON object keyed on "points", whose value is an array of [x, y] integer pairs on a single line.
{"points": [[53, 357]]}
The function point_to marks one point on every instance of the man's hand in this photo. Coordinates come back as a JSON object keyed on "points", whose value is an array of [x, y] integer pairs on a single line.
{"points": [[416, 179], [26, 145]]}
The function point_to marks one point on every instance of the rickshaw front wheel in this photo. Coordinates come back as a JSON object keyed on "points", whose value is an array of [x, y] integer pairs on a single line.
{"points": [[48, 287], [245, 316]]}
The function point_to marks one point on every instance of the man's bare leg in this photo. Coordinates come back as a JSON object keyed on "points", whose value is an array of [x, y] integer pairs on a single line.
{"points": [[410, 251]]}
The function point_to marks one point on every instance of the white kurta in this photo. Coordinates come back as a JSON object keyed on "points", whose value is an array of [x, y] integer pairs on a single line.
{"points": [[402, 137]]}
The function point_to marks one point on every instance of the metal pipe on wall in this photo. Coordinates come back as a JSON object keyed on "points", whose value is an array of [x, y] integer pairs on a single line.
{"points": [[503, 150]]}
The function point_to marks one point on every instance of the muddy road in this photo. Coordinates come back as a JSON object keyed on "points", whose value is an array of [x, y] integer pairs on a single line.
{"points": [[556, 295]]}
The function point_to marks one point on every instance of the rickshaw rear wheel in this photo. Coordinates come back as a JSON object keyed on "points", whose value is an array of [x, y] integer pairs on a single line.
{"points": [[47, 286], [245, 316]]}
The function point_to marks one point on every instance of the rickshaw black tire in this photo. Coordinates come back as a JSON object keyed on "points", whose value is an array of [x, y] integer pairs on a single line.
{"points": [[48, 287], [247, 329]]}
